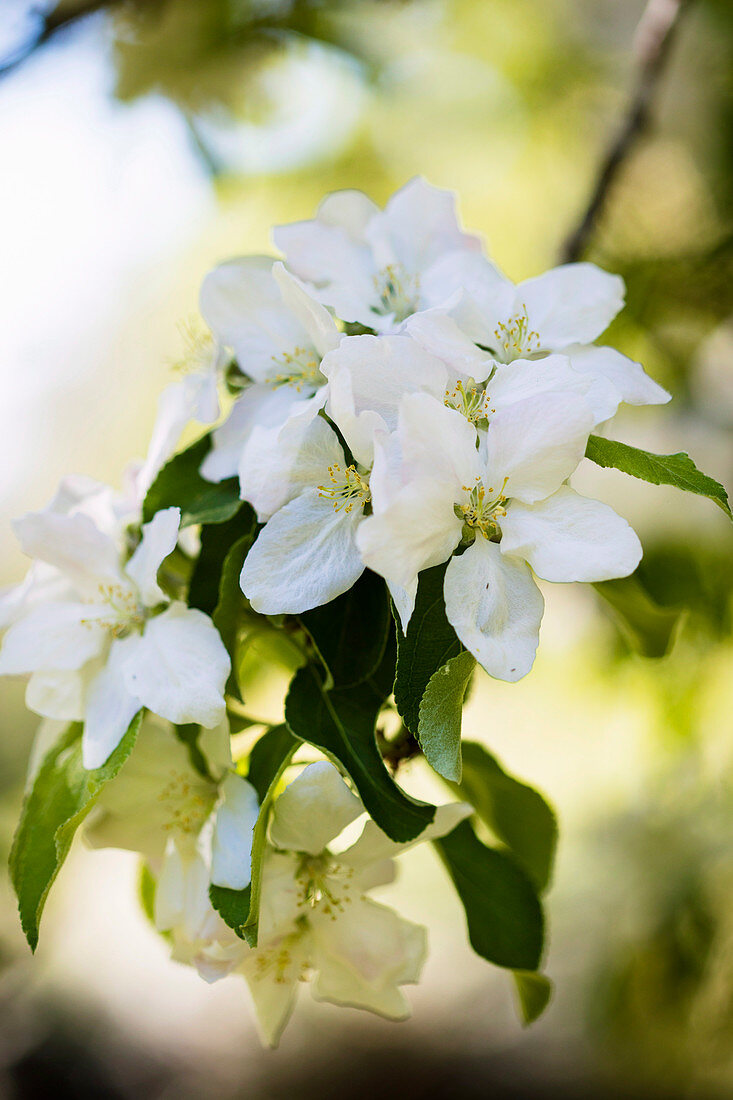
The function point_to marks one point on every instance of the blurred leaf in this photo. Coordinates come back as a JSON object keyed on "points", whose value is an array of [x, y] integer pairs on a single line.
{"points": [[217, 539], [342, 723], [503, 912], [677, 469], [648, 628], [534, 992], [441, 710], [62, 794], [179, 484], [268, 760], [516, 813], [429, 643], [350, 633]]}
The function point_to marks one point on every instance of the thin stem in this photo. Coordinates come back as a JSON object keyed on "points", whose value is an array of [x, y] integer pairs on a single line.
{"points": [[652, 41]]}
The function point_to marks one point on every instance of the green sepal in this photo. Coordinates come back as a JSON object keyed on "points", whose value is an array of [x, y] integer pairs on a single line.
{"points": [[516, 813], [179, 484], [533, 993], [342, 724], [350, 634], [268, 760], [503, 912], [62, 794], [441, 711], [677, 469], [429, 643]]}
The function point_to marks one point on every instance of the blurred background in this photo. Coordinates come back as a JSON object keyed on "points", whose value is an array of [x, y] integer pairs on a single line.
{"points": [[140, 143]]}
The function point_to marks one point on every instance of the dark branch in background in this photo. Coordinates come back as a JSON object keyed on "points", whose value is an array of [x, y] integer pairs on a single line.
{"points": [[51, 24], [652, 42]]}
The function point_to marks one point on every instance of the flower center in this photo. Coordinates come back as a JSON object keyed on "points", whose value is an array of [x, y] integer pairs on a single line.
{"points": [[471, 400], [515, 339], [186, 807], [397, 291], [348, 488], [277, 962], [300, 368], [484, 509], [126, 614], [323, 885]]}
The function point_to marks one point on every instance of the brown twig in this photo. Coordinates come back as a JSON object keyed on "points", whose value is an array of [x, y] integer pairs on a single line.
{"points": [[652, 41]]}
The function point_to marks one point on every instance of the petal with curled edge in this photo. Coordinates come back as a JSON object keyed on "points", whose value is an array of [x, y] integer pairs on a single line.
{"points": [[437, 333], [419, 224], [159, 538], [73, 544], [179, 667], [571, 304], [571, 538], [56, 636], [317, 322], [495, 608], [235, 819], [304, 556], [627, 379], [313, 810], [258, 406]]}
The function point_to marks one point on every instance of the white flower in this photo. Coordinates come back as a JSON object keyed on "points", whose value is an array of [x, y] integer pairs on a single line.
{"points": [[278, 335], [313, 501], [369, 264], [192, 830], [432, 487], [314, 917], [104, 649], [563, 310]]}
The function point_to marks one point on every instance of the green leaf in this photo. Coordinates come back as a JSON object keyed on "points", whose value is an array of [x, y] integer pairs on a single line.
{"points": [[217, 539], [350, 633], [62, 794], [503, 912], [231, 605], [516, 813], [429, 643], [647, 627], [268, 760], [342, 724], [534, 991], [441, 710], [179, 484], [677, 469]]}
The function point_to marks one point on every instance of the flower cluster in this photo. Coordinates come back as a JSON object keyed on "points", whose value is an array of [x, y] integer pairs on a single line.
{"points": [[391, 429]]}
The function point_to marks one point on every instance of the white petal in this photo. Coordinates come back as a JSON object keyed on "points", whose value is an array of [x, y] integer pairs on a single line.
{"points": [[56, 695], [110, 706], [159, 538], [313, 809], [259, 405], [437, 441], [571, 304], [194, 397], [525, 378], [305, 556], [236, 817], [365, 955], [72, 544], [316, 321], [373, 845], [418, 225], [486, 296], [274, 988], [278, 463], [403, 598], [495, 608], [243, 306], [571, 538], [438, 333], [351, 210], [417, 529], [179, 667], [536, 444], [52, 636], [628, 380]]}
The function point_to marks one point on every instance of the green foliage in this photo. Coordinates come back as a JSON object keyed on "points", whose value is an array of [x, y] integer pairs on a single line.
{"points": [[516, 813], [342, 723], [677, 469], [217, 539], [503, 912], [179, 484], [533, 991], [351, 633], [62, 794], [429, 643], [441, 709], [647, 627], [268, 760]]}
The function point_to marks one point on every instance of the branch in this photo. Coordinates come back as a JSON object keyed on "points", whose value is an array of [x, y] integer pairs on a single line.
{"points": [[50, 26], [652, 42]]}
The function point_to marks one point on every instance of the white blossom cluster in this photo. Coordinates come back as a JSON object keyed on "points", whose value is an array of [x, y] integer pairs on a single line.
{"points": [[397, 404]]}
